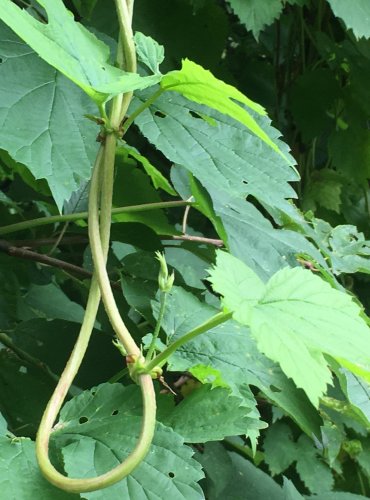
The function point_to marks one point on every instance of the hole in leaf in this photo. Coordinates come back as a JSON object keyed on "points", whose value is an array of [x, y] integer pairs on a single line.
{"points": [[93, 393], [114, 412], [83, 420], [160, 114], [194, 114], [171, 475]]}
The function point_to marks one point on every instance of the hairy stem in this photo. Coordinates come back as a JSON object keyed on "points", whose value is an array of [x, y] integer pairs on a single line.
{"points": [[214, 321]]}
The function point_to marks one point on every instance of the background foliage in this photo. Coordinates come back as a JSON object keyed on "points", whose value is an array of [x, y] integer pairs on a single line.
{"points": [[247, 423]]}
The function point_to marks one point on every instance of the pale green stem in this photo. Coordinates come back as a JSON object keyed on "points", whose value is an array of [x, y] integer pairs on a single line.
{"points": [[140, 109], [97, 253], [162, 308], [161, 358], [53, 219], [61, 390]]}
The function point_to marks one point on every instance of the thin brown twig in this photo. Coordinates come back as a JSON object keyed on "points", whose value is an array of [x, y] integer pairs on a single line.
{"points": [[24, 253]]}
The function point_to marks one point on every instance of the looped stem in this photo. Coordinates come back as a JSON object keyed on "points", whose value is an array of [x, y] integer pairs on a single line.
{"points": [[99, 232], [73, 485]]}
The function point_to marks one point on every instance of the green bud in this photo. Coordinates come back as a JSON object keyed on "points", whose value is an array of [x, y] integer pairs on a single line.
{"points": [[165, 281]]}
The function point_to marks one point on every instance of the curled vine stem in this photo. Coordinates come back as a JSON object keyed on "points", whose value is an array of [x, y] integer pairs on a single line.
{"points": [[99, 233]]}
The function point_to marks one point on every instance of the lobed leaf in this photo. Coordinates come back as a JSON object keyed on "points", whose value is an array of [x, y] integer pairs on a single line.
{"points": [[296, 320], [100, 427], [41, 112], [219, 414], [356, 15], [199, 85], [232, 351], [256, 14], [72, 49], [20, 476]]}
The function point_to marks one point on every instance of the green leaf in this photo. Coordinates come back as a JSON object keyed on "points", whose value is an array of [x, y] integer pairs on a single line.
{"points": [[315, 474], [232, 351], [3, 426], [97, 430], [357, 391], [149, 52], [25, 390], [208, 375], [49, 301], [351, 147], [20, 476], [218, 467], [199, 85], [55, 109], [159, 181], [290, 491], [281, 451], [85, 61], [324, 189], [279, 448], [256, 14], [356, 16], [295, 321], [133, 187], [219, 414], [350, 250], [231, 164]]}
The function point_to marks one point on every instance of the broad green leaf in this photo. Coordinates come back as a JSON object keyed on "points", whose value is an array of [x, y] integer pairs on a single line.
{"points": [[218, 414], [242, 289], [296, 320], [281, 451], [279, 448], [149, 52], [72, 49], [199, 85], [218, 468], [356, 15], [315, 474], [55, 109], [232, 351], [20, 476], [231, 164], [50, 302], [227, 477], [256, 14], [158, 179], [97, 430]]}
